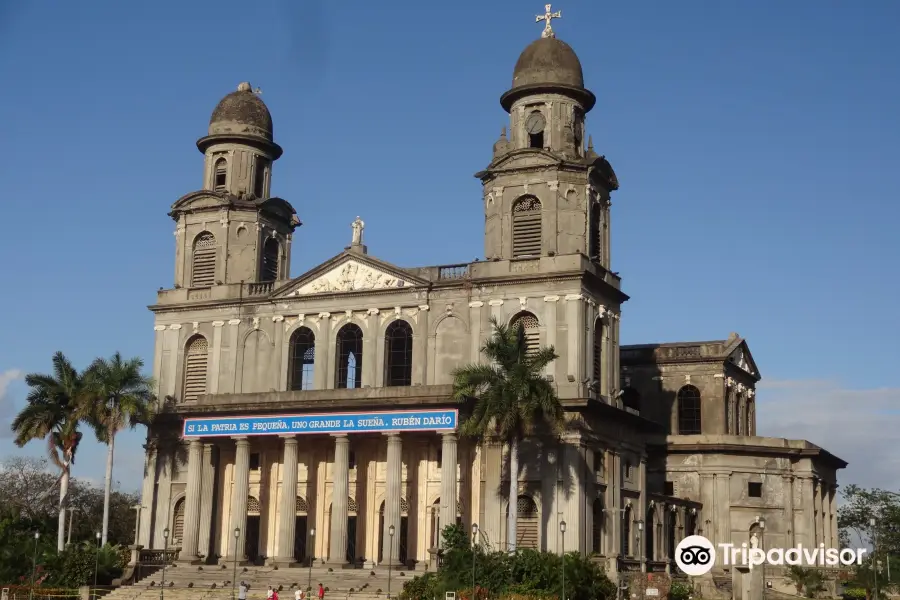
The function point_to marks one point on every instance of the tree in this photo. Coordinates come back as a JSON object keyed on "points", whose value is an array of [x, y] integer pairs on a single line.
{"points": [[122, 398], [55, 407], [512, 397], [860, 507]]}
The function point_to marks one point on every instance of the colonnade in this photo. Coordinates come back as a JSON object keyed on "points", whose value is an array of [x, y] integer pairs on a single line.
{"points": [[196, 513]]}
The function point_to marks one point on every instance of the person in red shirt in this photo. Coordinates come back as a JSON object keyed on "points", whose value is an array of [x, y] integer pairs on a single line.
{"points": [[321, 592]]}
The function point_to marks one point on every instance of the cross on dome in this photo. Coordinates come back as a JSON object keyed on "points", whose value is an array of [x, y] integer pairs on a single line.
{"points": [[548, 16]]}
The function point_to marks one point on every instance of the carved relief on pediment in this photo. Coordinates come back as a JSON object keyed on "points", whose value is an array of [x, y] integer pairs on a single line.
{"points": [[350, 277]]}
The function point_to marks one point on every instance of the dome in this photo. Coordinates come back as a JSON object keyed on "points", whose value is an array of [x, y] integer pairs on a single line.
{"points": [[548, 65], [548, 60], [242, 112]]}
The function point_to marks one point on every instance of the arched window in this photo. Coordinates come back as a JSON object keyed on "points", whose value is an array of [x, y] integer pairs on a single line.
{"points": [[671, 519], [631, 399], [177, 523], [398, 340], [203, 266], [689, 410], [269, 269], [626, 531], [349, 352], [300, 506], [220, 177], [252, 505], [526, 227], [302, 359], [195, 361], [598, 355], [597, 515], [259, 177], [530, 326], [594, 243], [526, 523]]}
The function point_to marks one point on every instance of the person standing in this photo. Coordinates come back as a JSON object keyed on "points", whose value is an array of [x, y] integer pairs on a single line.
{"points": [[242, 591], [321, 592], [298, 594]]}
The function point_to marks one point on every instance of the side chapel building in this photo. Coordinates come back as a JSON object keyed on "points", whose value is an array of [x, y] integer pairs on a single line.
{"points": [[663, 435]]}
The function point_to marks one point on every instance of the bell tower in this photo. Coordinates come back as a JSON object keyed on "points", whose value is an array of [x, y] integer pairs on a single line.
{"points": [[233, 230], [545, 192]]}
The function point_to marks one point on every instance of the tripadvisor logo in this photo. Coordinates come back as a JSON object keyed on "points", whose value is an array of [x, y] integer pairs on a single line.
{"points": [[696, 555]]}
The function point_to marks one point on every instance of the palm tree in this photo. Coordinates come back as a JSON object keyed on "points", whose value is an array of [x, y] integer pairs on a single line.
{"points": [[122, 398], [512, 396], [53, 413]]}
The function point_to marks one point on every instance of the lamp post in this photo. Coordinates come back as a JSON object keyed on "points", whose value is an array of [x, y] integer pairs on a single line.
{"points": [[562, 532], [312, 557], [37, 536], [474, 540], [640, 527], [237, 534], [390, 558], [873, 523], [762, 545], [162, 586], [96, 563]]}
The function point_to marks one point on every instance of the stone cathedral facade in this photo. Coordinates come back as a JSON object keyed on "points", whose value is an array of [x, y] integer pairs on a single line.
{"points": [[307, 418]]}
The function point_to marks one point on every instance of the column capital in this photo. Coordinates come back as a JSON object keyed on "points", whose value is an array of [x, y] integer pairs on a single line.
{"points": [[449, 435], [339, 436], [195, 443], [289, 439], [391, 435], [241, 440]]}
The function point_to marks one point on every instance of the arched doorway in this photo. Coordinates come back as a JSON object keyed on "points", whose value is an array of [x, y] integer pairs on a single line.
{"points": [[251, 545], [526, 523], [352, 510], [402, 535], [436, 528], [300, 527]]}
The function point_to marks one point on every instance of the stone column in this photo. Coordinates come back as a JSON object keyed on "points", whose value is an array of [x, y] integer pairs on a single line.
{"points": [[191, 535], [807, 502], [449, 493], [287, 522], [148, 490], [391, 551], [817, 507], [240, 491], [207, 498], [337, 554], [825, 513], [835, 535]]}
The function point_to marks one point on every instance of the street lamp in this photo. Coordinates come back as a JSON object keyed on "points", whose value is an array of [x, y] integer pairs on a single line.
{"points": [[562, 532], [640, 527], [762, 545], [872, 523], [96, 563], [37, 536], [312, 557], [162, 586], [390, 558], [474, 540], [237, 534]]}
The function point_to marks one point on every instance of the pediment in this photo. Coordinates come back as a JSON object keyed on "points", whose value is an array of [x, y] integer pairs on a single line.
{"points": [[200, 200], [743, 360], [350, 273], [524, 159]]}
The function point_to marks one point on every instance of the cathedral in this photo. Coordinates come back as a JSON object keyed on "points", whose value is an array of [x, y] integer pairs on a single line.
{"points": [[309, 419]]}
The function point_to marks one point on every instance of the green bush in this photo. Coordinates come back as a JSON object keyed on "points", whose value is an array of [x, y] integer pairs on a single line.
{"points": [[525, 575], [854, 594], [680, 590]]}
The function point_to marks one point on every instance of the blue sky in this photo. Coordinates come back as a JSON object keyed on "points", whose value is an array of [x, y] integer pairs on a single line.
{"points": [[754, 143]]}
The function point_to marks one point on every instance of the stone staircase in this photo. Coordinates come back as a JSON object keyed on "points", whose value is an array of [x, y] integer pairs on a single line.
{"points": [[212, 582]]}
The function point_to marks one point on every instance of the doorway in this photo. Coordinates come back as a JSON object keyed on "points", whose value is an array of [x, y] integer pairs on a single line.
{"points": [[300, 539], [251, 547], [351, 539]]}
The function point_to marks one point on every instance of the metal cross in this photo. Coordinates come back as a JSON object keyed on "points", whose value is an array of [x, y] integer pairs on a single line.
{"points": [[546, 18]]}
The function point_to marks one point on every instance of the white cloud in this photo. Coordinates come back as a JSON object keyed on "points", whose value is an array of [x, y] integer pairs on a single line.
{"points": [[7, 410], [861, 426]]}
